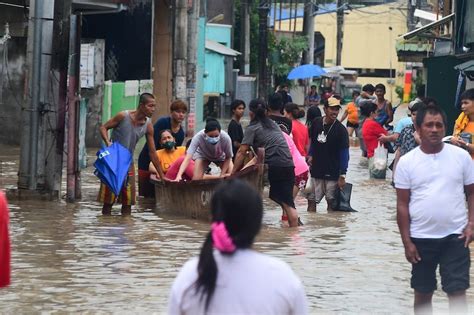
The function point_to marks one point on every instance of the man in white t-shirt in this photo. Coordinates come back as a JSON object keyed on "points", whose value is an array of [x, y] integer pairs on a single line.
{"points": [[432, 183]]}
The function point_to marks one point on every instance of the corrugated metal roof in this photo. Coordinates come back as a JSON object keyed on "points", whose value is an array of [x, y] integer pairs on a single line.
{"points": [[428, 27], [466, 66], [221, 49]]}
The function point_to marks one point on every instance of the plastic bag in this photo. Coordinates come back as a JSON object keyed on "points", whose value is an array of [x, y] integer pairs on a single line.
{"points": [[343, 199], [380, 158]]}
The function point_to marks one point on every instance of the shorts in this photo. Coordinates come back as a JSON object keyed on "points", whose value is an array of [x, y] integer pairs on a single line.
{"points": [[352, 125], [453, 259], [324, 187], [200, 156], [301, 180], [282, 180], [145, 187], [127, 194], [362, 146]]}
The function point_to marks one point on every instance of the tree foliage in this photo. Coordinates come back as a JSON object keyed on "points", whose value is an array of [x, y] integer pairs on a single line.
{"points": [[285, 53]]}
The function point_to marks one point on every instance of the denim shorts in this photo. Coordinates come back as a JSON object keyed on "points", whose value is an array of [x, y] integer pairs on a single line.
{"points": [[453, 259]]}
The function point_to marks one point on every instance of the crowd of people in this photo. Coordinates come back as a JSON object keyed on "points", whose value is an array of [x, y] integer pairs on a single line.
{"points": [[433, 177], [436, 226]]}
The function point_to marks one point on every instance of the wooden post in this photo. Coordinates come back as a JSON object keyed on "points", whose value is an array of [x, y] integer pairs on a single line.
{"points": [[162, 71]]}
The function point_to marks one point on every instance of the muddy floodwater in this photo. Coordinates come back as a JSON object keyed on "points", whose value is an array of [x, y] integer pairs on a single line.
{"points": [[69, 258]]}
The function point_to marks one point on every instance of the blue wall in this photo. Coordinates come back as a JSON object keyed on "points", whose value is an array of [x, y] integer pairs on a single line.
{"points": [[214, 82], [214, 73], [219, 33]]}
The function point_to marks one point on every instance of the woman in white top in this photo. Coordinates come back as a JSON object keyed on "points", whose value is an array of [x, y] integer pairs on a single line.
{"points": [[229, 277]]}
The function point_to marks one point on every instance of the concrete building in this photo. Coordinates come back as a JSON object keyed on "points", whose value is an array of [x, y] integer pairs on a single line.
{"points": [[368, 43], [218, 75], [443, 51]]}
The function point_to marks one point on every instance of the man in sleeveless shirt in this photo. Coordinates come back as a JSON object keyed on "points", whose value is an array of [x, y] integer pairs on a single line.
{"points": [[128, 127]]}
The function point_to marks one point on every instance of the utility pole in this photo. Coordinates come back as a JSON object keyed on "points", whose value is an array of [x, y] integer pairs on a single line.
{"points": [[340, 33], [180, 49], [73, 188], [59, 67], [38, 116], [308, 31], [245, 36], [411, 20], [263, 9], [193, 19]]}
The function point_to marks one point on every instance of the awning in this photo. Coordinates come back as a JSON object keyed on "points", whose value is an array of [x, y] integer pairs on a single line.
{"points": [[221, 49], [412, 51], [467, 66], [428, 27]]}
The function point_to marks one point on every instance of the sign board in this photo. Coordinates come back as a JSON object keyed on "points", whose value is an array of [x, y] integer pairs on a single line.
{"points": [[191, 121], [87, 66]]}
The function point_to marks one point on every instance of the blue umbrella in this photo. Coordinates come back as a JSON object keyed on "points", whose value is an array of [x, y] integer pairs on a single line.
{"points": [[306, 71], [112, 166]]}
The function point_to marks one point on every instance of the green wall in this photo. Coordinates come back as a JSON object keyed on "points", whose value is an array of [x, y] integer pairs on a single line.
{"points": [[118, 102]]}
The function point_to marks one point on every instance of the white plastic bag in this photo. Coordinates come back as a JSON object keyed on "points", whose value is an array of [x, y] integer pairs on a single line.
{"points": [[380, 157]]}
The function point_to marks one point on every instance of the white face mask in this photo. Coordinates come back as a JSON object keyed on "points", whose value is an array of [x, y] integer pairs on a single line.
{"points": [[213, 140]]}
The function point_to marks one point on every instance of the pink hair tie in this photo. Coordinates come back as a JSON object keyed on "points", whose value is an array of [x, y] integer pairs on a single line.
{"points": [[221, 239]]}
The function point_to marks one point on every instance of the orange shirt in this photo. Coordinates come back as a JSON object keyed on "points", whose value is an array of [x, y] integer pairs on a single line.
{"points": [[470, 129], [167, 158], [352, 115]]}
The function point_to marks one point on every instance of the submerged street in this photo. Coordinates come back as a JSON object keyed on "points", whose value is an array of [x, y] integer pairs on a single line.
{"points": [[68, 257]]}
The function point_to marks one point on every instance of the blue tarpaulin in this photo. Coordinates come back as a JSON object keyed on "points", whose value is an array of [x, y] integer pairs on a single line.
{"points": [[112, 166]]}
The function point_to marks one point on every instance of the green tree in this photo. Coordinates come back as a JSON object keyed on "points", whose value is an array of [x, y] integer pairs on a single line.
{"points": [[284, 54], [253, 33]]}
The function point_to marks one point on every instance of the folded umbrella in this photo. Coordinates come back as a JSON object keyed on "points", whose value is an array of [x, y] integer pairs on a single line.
{"points": [[112, 165]]}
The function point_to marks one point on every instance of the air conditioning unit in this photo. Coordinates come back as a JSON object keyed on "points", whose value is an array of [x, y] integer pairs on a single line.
{"points": [[443, 48]]}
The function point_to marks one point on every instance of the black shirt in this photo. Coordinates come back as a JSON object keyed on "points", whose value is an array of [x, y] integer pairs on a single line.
{"points": [[283, 122], [326, 156], [236, 133]]}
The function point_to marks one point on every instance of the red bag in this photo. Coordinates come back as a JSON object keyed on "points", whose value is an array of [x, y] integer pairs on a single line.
{"points": [[4, 243]]}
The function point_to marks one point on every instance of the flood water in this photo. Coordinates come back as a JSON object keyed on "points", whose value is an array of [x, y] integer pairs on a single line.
{"points": [[69, 258]]}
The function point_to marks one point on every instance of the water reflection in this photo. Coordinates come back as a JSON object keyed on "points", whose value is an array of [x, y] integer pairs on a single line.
{"points": [[70, 258]]}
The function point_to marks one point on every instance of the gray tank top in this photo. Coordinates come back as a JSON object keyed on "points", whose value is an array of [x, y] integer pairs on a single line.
{"points": [[127, 134]]}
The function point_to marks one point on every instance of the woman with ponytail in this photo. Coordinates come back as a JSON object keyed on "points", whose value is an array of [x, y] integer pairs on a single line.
{"points": [[264, 132], [228, 265]]}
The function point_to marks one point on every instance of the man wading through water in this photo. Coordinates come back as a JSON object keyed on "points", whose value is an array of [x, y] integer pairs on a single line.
{"points": [[329, 153], [432, 183], [128, 127]]}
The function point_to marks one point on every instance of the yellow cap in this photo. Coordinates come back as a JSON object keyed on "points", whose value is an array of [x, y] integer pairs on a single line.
{"points": [[332, 101]]}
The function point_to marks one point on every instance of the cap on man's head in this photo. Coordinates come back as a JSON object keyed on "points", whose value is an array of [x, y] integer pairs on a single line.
{"points": [[416, 106], [332, 101]]}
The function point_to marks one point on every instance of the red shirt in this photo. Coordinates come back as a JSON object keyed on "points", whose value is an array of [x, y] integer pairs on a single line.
{"points": [[300, 137], [4, 243], [371, 131]]}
